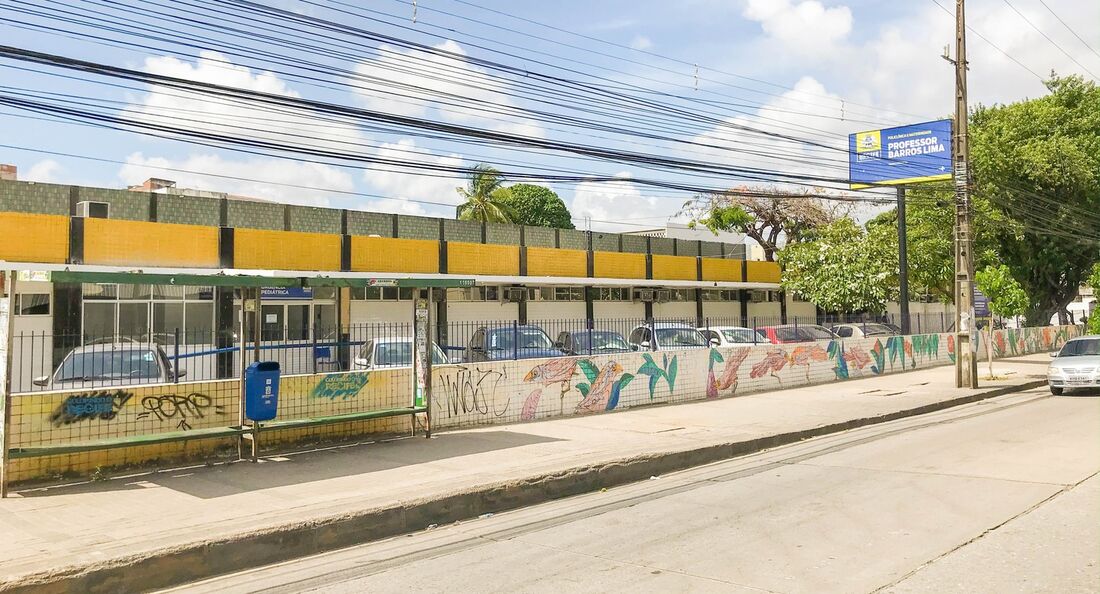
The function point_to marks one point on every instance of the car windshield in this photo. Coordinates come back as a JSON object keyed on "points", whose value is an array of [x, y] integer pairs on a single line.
{"points": [[742, 335], [400, 354], [526, 338], [877, 330], [599, 341], [108, 364], [680, 337], [792, 334], [1080, 348], [815, 332]]}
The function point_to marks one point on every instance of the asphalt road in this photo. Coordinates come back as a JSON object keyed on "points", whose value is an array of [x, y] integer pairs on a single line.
{"points": [[999, 496]]}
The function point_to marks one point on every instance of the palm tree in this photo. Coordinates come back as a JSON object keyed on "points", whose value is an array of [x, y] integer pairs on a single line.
{"points": [[484, 194]]}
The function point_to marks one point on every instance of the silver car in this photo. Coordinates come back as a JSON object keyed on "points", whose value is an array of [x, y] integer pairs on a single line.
{"points": [[113, 364], [1077, 365]]}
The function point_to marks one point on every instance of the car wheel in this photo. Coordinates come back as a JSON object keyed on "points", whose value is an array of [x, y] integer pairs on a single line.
{"points": [[1056, 391]]}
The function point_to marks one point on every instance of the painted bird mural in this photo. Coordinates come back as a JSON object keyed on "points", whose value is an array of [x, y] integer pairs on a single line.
{"points": [[601, 389], [553, 371], [728, 378], [857, 357], [803, 356], [773, 361]]}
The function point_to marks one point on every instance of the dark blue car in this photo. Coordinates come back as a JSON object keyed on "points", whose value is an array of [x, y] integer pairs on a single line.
{"points": [[510, 342], [593, 342]]}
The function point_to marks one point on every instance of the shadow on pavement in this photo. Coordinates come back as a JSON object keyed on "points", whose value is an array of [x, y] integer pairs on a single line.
{"points": [[278, 470]]}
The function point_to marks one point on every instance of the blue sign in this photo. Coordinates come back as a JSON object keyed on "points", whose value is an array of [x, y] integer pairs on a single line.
{"points": [[286, 293], [902, 155], [981, 304]]}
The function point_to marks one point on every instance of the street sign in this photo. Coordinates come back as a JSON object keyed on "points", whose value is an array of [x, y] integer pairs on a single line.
{"points": [[286, 293], [902, 155]]}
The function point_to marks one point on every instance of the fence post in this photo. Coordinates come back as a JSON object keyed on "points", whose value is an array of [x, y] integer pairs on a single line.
{"points": [[313, 350], [754, 334], [515, 340], [176, 356]]}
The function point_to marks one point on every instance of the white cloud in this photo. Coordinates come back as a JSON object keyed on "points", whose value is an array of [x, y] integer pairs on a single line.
{"points": [[138, 168], [404, 188], [806, 27], [237, 117], [641, 42], [43, 171], [619, 201], [417, 83]]}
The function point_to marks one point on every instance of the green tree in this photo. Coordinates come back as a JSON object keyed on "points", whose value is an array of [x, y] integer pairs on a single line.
{"points": [[1094, 282], [770, 217], [843, 269], [1006, 297], [486, 197], [537, 206], [1038, 163]]}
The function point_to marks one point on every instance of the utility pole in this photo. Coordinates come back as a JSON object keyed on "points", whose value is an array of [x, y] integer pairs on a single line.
{"points": [[903, 265], [966, 365]]}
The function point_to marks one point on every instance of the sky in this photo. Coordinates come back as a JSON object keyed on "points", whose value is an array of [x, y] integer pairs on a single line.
{"points": [[813, 69]]}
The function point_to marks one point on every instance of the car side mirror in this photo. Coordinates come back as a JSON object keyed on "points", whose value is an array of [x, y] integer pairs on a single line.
{"points": [[644, 344], [181, 372], [41, 381], [361, 362], [634, 347], [715, 342], [1053, 355]]}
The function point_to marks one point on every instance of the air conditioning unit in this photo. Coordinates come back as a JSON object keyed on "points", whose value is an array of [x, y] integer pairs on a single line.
{"points": [[93, 210], [515, 294], [759, 296], [664, 296], [646, 295]]}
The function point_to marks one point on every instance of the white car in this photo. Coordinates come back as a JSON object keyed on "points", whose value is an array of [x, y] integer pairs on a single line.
{"points": [[862, 330], [733, 336], [665, 336], [1077, 365], [111, 364], [390, 352]]}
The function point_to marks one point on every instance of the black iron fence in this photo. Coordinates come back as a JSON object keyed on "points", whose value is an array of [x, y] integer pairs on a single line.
{"points": [[65, 361]]}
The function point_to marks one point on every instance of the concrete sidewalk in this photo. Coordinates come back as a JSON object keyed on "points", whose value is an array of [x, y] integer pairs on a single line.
{"points": [[173, 526]]}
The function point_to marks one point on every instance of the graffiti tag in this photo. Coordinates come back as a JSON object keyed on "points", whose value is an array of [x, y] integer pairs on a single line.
{"points": [[172, 406], [341, 385], [472, 391], [103, 405]]}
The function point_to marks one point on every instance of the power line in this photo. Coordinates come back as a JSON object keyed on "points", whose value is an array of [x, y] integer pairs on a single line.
{"points": [[990, 43], [1047, 37], [1070, 29]]}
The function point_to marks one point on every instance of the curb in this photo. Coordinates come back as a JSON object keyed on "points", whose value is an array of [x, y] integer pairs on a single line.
{"points": [[173, 566]]}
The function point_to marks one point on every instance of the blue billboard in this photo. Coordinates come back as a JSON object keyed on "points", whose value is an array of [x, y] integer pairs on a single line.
{"points": [[902, 155]]}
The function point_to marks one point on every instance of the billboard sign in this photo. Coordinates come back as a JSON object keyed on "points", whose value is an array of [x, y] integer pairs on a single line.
{"points": [[898, 156]]}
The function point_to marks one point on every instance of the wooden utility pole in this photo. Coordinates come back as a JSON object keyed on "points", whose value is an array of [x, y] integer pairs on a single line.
{"points": [[966, 364]]}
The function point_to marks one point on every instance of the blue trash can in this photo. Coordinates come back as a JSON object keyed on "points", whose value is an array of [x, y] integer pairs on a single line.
{"points": [[261, 391]]}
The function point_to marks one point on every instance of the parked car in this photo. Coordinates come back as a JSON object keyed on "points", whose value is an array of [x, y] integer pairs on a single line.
{"points": [[111, 364], [1077, 365], [733, 335], [385, 353], [510, 342], [663, 336], [791, 333], [863, 330], [592, 342]]}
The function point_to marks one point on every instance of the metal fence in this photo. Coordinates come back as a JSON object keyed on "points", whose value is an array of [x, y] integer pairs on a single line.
{"points": [[76, 360]]}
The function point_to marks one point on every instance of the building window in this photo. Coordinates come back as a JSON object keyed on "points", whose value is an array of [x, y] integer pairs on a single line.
{"points": [[32, 304]]}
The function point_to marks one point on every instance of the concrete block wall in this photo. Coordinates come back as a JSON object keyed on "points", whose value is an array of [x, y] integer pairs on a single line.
{"points": [[502, 234], [312, 219], [255, 215], [538, 236], [687, 247], [467, 231], [635, 244], [370, 223], [188, 210], [31, 197], [131, 206], [662, 245], [413, 227], [711, 249], [572, 239], [605, 242]]}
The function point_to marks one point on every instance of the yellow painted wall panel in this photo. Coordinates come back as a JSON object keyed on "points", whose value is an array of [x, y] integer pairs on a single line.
{"points": [[616, 265], [285, 250], [119, 242], [763, 272], [721, 269], [556, 262], [34, 237], [385, 254], [674, 267], [477, 258]]}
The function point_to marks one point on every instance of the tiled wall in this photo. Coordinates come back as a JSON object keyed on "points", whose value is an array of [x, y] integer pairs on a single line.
{"points": [[256, 215], [188, 210], [16, 196], [313, 220]]}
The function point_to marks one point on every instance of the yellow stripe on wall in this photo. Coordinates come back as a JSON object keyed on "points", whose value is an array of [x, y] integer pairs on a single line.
{"points": [[477, 258], [285, 250], [140, 243], [34, 237], [674, 267], [617, 265], [762, 272], [542, 261], [722, 269], [385, 254]]}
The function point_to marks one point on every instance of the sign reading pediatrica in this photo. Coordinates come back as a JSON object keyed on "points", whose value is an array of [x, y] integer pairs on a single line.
{"points": [[902, 155]]}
